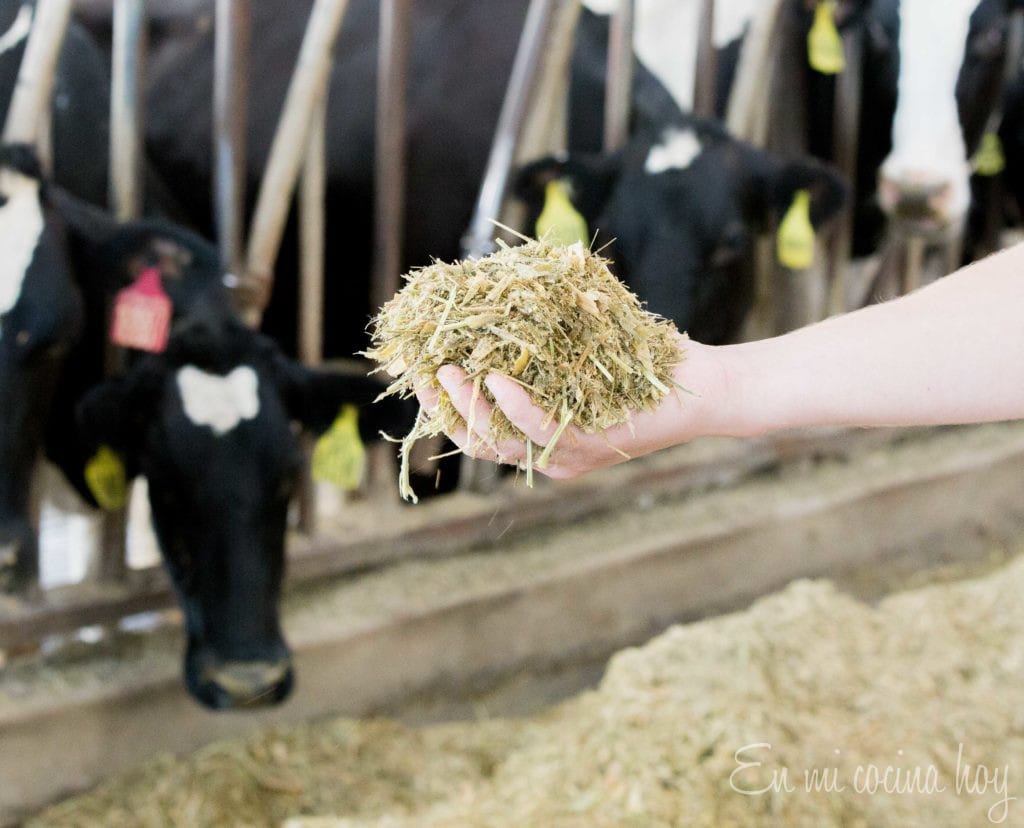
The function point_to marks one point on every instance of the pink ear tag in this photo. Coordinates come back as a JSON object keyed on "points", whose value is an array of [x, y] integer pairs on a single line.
{"points": [[142, 314]]}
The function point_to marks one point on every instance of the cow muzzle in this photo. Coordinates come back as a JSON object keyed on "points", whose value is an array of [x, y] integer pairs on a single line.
{"points": [[231, 685], [919, 198]]}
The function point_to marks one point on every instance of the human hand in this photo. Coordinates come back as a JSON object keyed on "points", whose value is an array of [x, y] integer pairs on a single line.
{"points": [[679, 417]]}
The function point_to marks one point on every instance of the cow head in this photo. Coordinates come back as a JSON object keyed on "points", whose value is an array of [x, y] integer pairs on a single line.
{"points": [[41, 314], [683, 207], [213, 423], [952, 57]]}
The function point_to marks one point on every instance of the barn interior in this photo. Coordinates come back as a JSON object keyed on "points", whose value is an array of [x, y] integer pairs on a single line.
{"points": [[248, 625]]}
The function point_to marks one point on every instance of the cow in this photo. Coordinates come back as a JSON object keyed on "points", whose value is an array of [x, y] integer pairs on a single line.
{"points": [[212, 421], [680, 206], [952, 58]]}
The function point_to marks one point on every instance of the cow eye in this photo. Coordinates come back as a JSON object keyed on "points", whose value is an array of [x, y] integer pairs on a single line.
{"points": [[3, 200]]}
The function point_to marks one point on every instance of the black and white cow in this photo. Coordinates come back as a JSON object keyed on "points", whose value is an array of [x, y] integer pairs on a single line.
{"points": [[683, 203], [212, 421], [952, 58]]}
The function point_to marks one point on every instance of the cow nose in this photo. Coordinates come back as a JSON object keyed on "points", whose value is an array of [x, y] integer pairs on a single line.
{"points": [[916, 195], [235, 684]]}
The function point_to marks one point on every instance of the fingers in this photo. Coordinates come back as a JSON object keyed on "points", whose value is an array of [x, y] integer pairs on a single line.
{"points": [[516, 404], [428, 397], [477, 413], [473, 446]]}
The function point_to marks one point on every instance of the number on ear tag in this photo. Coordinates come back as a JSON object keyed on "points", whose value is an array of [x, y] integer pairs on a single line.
{"points": [[796, 234], [142, 314], [339, 456], [107, 480], [560, 222], [824, 43], [989, 160]]}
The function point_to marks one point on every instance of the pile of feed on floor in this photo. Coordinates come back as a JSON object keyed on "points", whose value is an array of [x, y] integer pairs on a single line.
{"points": [[928, 685], [552, 317]]}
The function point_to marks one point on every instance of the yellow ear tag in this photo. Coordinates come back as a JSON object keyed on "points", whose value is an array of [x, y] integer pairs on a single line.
{"points": [[107, 480], [339, 456], [824, 44], [796, 234], [560, 222], [989, 160]]}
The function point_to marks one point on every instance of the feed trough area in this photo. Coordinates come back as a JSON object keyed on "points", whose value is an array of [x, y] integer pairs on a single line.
{"points": [[811, 707]]}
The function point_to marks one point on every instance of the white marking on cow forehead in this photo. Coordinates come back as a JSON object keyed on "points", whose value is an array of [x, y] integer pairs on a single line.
{"points": [[18, 31], [927, 140], [677, 151], [21, 225], [219, 402]]}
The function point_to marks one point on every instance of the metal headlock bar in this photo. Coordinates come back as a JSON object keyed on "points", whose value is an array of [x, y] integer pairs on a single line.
{"points": [[232, 30], [846, 147], [705, 83], [619, 85]]}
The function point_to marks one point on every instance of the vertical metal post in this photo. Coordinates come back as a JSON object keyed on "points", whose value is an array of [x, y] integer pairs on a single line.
{"points": [[479, 238], [846, 137], [230, 100], [312, 211], [390, 165], [129, 49], [619, 86], [34, 89], [308, 84], [394, 44], [705, 85], [313, 230]]}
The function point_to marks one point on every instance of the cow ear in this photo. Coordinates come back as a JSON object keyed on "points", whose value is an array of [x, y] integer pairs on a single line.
{"points": [[315, 398], [116, 413], [590, 179], [776, 184]]}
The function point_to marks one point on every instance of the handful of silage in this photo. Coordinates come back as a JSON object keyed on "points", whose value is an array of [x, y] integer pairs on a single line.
{"points": [[552, 318]]}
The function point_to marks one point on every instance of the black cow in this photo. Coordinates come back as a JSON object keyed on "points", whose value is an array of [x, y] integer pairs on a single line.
{"points": [[683, 203], [209, 421]]}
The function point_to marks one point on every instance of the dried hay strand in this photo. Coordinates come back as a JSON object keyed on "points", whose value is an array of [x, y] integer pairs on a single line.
{"points": [[553, 318], [827, 681]]}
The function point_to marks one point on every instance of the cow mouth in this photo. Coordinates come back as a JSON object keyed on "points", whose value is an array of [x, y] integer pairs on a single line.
{"points": [[234, 685]]}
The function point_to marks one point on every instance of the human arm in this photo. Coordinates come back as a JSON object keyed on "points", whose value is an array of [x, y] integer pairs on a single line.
{"points": [[952, 352]]}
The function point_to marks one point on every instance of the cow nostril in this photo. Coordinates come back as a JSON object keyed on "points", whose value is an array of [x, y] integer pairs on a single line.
{"points": [[916, 196], [250, 683]]}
